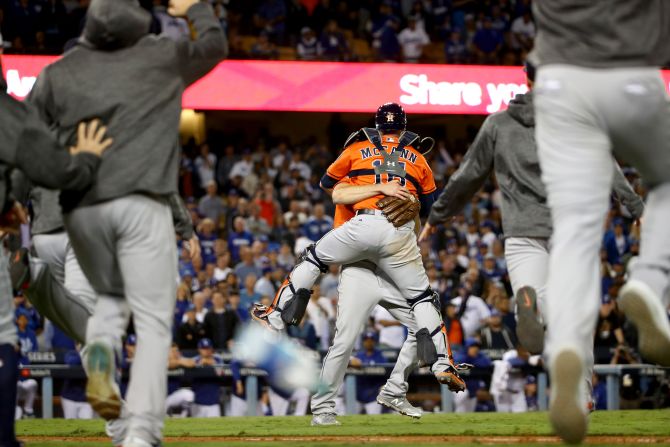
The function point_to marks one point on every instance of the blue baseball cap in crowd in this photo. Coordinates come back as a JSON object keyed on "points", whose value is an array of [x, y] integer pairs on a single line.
{"points": [[370, 335], [131, 340], [531, 379], [617, 221], [472, 342], [205, 343]]}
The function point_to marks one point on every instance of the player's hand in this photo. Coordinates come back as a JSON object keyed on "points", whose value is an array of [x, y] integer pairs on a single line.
{"points": [[90, 138], [427, 231], [193, 247], [355, 362], [178, 8], [395, 189]]}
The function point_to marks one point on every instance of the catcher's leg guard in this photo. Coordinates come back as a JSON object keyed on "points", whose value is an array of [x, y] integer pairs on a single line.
{"points": [[295, 309], [425, 348], [309, 255]]}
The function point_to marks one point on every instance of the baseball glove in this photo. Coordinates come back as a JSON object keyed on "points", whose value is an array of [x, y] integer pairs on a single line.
{"points": [[399, 211]]}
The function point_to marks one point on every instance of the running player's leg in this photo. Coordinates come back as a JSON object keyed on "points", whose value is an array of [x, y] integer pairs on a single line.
{"points": [[145, 249], [358, 293], [574, 153], [343, 245], [641, 136], [528, 263]]}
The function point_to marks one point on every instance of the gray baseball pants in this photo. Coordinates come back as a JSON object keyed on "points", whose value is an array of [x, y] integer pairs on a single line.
{"points": [[582, 115], [361, 288], [126, 249], [394, 251], [7, 328], [58, 288]]}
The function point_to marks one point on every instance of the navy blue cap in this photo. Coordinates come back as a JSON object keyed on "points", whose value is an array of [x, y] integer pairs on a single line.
{"points": [[370, 335], [131, 340], [472, 342], [205, 343]]}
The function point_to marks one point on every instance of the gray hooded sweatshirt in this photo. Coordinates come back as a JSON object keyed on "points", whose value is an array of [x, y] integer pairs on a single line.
{"points": [[27, 144], [505, 145], [133, 82]]}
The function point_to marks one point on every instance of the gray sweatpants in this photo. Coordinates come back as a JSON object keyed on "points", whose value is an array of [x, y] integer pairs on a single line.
{"points": [[126, 249], [394, 251], [7, 328], [528, 265], [581, 116], [361, 288], [59, 289]]}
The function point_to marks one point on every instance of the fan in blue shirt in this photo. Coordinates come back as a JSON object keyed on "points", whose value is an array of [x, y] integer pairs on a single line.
{"points": [[367, 387]]}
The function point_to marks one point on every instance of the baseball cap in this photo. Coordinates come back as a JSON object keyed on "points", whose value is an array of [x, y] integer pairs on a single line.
{"points": [[205, 343], [131, 340], [472, 342], [531, 379], [370, 335]]}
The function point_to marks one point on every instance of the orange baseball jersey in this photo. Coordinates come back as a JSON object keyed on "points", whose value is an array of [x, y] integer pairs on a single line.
{"points": [[364, 164]]}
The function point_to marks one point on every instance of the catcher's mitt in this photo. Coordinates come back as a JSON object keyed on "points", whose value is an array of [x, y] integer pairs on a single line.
{"points": [[399, 211]]}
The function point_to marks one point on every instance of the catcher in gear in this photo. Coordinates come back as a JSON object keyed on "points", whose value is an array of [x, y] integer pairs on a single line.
{"points": [[377, 163]]}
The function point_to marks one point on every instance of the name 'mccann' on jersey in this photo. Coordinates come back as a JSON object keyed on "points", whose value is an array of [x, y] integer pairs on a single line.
{"points": [[366, 163]]}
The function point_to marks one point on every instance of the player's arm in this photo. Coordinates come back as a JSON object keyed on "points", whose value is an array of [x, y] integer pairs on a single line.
{"points": [[347, 194], [625, 194], [196, 58], [466, 181]]}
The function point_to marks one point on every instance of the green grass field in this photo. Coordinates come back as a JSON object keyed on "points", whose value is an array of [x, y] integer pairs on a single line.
{"points": [[631, 427]]}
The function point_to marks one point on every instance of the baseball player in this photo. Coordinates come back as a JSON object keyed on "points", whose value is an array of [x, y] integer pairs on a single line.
{"points": [[505, 146], [599, 89], [180, 399], [379, 162], [120, 228], [73, 393], [367, 388], [207, 402], [26, 139]]}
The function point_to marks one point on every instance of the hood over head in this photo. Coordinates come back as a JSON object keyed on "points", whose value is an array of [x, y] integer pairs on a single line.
{"points": [[521, 109], [114, 24]]}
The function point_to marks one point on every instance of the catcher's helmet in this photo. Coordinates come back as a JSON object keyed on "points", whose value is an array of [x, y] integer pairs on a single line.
{"points": [[390, 116]]}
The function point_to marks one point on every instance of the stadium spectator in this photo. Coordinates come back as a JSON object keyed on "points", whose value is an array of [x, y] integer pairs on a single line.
{"points": [[367, 387], [392, 334], [455, 50], [247, 266], [190, 332], [322, 315], [271, 18], [305, 334], [206, 233], [523, 32], [205, 164], [530, 391], [495, 335], [264, 286], [509, 381], [255, 223], [235, 306], [210, 205], [487, 43], [617, 244], [389, 46], [248, 294], [175, 28], [308, 48], [220, 323], [206, 403], [26, 388], [263, 48], [453, 325], [318, 224], [472, 311], [180, 399], [239, 239], [412, 40], [333, 44]]}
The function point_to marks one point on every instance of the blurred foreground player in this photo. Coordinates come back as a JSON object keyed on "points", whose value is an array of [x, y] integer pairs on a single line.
{"points": [[598, 90], [121, 228], [26, 139]]}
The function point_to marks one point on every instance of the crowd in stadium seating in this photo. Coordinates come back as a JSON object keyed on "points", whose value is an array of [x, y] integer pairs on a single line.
{"points": [[451, 31]]}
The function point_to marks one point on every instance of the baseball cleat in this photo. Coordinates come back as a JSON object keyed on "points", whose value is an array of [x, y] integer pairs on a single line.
{"points": [[259, 313], [451, 379], [325, 419], [401, 405], [137, 442], [529, 328], [19, 269], [645, 310], [102, 391], [567, 413]]}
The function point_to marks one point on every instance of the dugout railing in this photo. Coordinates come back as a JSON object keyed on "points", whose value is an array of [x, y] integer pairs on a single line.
{"points": [[46, 374]]}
